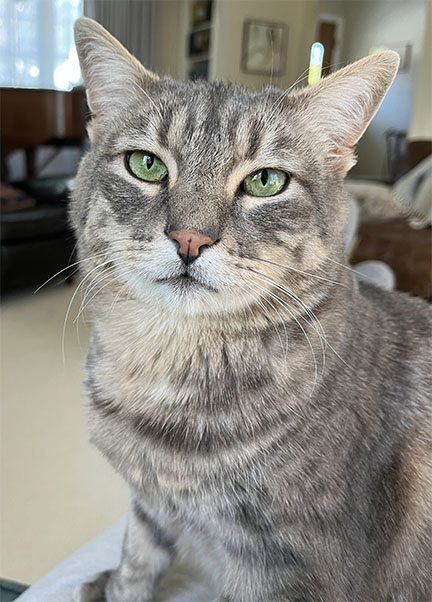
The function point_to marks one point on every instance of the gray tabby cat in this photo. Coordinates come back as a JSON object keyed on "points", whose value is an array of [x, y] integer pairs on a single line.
{"points": [[251, 392]]}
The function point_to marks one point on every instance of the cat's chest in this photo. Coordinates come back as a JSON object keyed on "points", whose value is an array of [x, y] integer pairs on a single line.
{"points": [[161, 401], [162, 365], [153, 373]]}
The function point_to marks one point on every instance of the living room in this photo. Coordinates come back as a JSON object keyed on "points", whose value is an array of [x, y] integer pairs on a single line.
{"points": [[58, 493]]}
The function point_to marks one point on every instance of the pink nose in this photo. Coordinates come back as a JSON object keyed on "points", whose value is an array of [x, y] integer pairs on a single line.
{"points": [[190, 243]]}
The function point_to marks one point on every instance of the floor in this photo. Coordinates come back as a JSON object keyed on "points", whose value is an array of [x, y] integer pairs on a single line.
{"points": [[57, 491]]}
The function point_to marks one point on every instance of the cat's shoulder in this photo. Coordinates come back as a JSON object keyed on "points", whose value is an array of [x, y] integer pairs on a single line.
{"points": [[404, 318], [396, 301]]}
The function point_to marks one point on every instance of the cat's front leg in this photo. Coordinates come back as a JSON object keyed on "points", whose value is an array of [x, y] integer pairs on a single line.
{"points": [[147, 553]]}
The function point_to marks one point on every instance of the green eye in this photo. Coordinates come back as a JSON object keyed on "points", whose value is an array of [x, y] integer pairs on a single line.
{"points": [[265, 182], [146, 166]]}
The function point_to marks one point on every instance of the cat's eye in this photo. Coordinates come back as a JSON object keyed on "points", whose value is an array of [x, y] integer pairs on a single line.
{"points": [[146, 166], [265, 182]]}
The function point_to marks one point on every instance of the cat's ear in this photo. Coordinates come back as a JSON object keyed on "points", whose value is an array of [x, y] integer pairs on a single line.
{"points": [[111, 74], [341, 106]]}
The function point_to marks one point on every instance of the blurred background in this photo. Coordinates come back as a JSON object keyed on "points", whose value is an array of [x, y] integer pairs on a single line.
{"points": [[57, 492]]}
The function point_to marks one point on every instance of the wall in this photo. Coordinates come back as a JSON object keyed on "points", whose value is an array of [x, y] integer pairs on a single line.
{"points": [[172, 18], [421, 122], [298, 15], [367, 23], [228, 17], [384, 22]]}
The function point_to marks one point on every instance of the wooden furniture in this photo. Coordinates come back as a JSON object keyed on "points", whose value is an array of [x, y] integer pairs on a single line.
{"points": [[30, 118], [37, 242], [407, 251]]}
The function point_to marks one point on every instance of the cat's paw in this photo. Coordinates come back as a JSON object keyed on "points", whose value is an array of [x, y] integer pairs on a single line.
{"points": [[93, 590]]}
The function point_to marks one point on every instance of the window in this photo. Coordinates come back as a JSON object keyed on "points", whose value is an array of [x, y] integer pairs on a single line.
{"points": [[36, 43]]}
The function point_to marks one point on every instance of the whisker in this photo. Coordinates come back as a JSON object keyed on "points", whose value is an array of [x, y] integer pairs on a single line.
{"points": [[94, 284], [270, 318], [288, 267], [283, 304], [302, 77], [249, 283], [349, 269], [66, 268], [106, 274], [285, 93], [289, 310], [89, 258], [149, 98], [71, 302], [313, 318], [118, 273], [116, 298]]}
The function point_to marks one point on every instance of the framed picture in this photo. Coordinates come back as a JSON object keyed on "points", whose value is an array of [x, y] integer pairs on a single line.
{"points": [[264, 47], [201, 11], [199, 42]]}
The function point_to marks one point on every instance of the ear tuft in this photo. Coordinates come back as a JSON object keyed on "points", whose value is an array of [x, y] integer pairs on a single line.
{"points": [[112, 75], [342, 105]]}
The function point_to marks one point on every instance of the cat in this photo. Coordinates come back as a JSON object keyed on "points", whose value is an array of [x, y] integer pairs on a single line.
{"points": [[257, 399]]}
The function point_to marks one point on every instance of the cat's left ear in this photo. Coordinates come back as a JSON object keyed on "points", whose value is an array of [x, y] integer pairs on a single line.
{"points": [[341, 106], [111, 74]]}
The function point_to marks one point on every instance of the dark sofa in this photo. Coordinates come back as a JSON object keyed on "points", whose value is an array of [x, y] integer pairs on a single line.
{"points": [[37, 242]]}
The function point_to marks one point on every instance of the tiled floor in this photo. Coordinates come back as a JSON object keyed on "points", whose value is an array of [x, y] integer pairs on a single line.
{"points": [[57, 490]]}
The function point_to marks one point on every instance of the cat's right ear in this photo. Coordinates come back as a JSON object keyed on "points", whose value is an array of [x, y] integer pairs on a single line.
{"points": [[341, 106], [111, 74]]}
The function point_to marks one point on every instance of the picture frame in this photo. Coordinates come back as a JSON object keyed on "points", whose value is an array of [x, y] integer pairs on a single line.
{"points": [[264, 47], [199, 42], [201, 11]]}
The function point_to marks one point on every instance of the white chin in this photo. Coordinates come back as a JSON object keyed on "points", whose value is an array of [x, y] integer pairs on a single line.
{"points": [[188, 296]]}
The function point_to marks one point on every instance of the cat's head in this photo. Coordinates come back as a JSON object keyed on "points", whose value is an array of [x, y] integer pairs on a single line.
{"points": [[206, 197]]}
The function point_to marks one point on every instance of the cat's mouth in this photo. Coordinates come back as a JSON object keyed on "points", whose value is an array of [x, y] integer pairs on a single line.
{"points": [[185, 282]]}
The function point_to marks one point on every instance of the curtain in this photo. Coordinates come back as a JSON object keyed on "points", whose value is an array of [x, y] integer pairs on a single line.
{"points": [[36, 44], [132, 22]]}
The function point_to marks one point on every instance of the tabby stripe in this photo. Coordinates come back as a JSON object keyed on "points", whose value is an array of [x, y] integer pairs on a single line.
{"points": [[160, 537]]}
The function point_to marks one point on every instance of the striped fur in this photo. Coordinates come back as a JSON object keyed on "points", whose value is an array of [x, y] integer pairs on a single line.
{"points": [[272, 409]]}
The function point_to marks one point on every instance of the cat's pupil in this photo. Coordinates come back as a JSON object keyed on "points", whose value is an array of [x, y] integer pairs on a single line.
{"points": [[264, 177], [149, 161]]}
